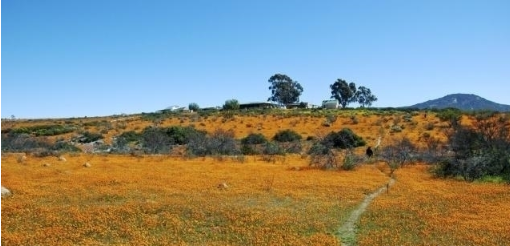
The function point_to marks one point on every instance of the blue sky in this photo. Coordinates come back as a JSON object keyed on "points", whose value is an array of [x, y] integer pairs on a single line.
{"points": [[104, 57]]}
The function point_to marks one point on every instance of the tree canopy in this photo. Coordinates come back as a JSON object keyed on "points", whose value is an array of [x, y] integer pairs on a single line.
{"points": [[231, 104], [344, 92], [193, 106], [347, 93], [365, 97], [284, 90]]}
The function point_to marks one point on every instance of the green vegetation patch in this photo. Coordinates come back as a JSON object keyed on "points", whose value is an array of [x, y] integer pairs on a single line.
{"points": [[45, 130]]}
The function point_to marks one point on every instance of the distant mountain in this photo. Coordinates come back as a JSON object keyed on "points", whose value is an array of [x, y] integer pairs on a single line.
{"points": [[463, 102]]}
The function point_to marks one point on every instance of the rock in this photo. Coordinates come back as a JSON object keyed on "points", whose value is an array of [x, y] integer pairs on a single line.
{"points": [[222, 186], [6, 192], [22, 158], [61, 158], [46, 165], [87, 164]]}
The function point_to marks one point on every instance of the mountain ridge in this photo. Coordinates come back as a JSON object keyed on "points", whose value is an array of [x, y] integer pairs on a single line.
{"points": [[467, 102]]}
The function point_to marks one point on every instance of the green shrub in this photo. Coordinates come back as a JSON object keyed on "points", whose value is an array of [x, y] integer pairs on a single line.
{"points": [[219, 142], [16, 142], [45, 130], [155, 141], [311, 138], [63, 146], [482, 149], [272, 148], [399, 153], [22, 142], [249, 150], [322, 156], [223, 142], [88, 137], [287, 136], [451, 115], [343, 139], [294, 147], [351, 161], [254, 138], [130, 136], [180, 135], [318, 149]]}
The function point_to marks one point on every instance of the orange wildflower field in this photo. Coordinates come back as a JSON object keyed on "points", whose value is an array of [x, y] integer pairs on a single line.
{"points": [[244, 200], [422, 210], [159, 200]]}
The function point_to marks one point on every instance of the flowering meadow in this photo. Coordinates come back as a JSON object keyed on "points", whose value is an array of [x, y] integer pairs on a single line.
{"points": [[161, 200], [422, 210]]}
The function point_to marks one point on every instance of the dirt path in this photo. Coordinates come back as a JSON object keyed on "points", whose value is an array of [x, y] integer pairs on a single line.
{"points": [[347, 232]]}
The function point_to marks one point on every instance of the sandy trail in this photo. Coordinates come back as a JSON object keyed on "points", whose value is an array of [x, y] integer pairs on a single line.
{"points": [[347, 232]]}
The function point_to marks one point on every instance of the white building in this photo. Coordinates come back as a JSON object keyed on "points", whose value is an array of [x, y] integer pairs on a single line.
{"points": [[330, 104]]}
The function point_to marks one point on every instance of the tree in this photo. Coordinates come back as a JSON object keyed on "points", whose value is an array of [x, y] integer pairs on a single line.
{"points": [[194, 107], [231, 104], [343, 92], [284, 90], [365, 96]]}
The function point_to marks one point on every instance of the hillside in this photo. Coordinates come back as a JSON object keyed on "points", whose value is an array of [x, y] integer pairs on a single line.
{"points": [[466, 102], [271, 198], [369, 124], [175, 199]]}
